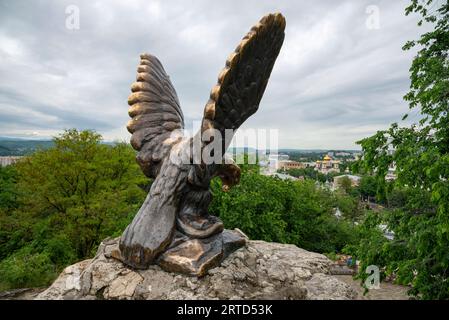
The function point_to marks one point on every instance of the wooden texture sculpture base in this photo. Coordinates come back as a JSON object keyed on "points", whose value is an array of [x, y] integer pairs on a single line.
{"points": [[173, 227]]}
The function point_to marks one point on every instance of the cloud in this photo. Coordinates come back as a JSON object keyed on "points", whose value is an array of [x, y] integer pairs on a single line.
{"points": [[335, 81]]}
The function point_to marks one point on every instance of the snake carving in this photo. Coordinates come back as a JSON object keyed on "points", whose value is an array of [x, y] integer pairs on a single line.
{"points": [[173, 227]]}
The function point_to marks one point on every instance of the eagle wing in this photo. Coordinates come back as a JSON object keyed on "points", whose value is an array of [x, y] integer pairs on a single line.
{"points": [[156, 115], [243, 80]]}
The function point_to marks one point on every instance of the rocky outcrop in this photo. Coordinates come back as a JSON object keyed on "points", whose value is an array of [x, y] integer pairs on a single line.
{"points": [[260, 270]]}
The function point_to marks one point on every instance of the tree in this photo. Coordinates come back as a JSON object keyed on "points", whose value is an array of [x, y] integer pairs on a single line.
{"points": [[297, 172], [72, 196], [397, 198], [350, 207], [308, 173], [8, 192], [271, 209], [83, 186], [421, 155]]}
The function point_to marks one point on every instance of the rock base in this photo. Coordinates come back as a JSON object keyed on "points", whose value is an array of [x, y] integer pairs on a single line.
{"points": [[260, 270]]}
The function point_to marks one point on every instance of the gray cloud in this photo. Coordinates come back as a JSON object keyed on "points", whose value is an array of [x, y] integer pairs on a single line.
{"points": [[335, 81]]}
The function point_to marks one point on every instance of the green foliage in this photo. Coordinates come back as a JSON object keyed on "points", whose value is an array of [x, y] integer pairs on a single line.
{"points": [[345, 184], [332, 255], [254, 196], [71, 197], [271, 209], [84, 188], [371, 248], [8, 192], [419, 252], [22, 147], [308, 173], [397, 197], [25, 268]]}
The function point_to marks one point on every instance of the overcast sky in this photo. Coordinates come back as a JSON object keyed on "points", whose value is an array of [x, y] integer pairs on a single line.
{"points": [[340, 75]]}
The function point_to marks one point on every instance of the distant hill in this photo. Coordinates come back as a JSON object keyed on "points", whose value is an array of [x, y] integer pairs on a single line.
{"points": [[23, 147], [19, 147]]}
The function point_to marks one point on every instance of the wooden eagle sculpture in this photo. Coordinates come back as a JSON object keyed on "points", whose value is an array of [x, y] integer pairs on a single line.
{"points": [[173, 227]]}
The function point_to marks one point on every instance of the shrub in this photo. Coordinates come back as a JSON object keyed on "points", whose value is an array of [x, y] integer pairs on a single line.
{"points": [[25, 269], [271, 209]]}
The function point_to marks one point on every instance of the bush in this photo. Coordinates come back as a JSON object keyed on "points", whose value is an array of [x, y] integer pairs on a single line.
{"points": [[25, 269], [271, 209]]}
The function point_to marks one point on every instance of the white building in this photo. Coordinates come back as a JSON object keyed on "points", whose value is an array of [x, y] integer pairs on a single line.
{"points": [[9, 160]]}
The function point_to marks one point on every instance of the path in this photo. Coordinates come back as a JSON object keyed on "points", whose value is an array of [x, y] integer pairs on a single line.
{"points": [[387, 291]]}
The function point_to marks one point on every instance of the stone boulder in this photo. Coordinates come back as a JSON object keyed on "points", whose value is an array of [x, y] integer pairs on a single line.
{"points": [[260, 270]]}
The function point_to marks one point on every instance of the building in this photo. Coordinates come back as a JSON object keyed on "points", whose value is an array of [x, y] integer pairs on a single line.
{"points": [[391, 174], [327, 165], [8, 160], [309, 164], [289, 164], [284, 176], [343, 154]]}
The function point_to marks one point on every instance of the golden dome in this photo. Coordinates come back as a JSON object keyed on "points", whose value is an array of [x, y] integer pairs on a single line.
{"points": [[327, 158]]}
